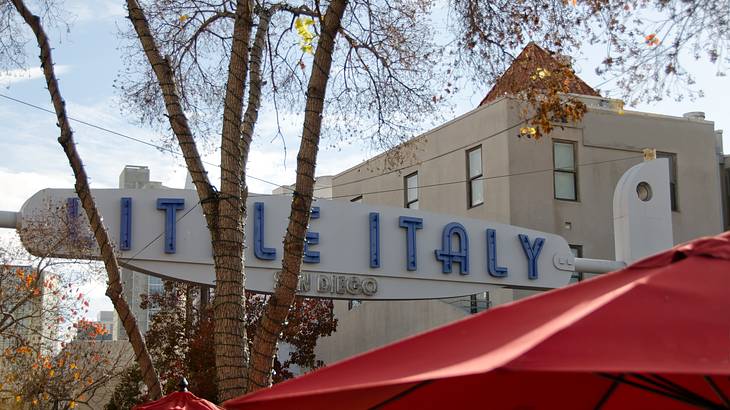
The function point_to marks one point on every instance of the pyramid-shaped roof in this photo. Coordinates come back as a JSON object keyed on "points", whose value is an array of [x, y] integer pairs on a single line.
{"points": [[517, 76]]}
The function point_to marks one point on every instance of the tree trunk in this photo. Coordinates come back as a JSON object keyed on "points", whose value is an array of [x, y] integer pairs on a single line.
{"points": [[231, 346], [114, 287], [278, 305], [225, 210], [254, 88]]}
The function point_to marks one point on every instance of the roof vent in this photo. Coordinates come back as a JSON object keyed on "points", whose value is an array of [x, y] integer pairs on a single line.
{"points": [[694, 115]]}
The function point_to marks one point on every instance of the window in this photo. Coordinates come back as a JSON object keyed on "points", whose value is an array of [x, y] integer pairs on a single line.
{"points": [[357, 199], [353, 303], [672, 178], [411, 183], [155, 286], [475, 189], [564, 171], [577, 251]]}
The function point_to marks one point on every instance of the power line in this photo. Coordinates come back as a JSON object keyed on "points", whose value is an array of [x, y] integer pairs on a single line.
{"points": [[126, 260], [138, 140], [461, 181], [492, 135], [162, 148]]}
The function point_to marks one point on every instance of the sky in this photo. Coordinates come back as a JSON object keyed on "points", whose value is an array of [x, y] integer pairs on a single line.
{"points": [[88, 60]]}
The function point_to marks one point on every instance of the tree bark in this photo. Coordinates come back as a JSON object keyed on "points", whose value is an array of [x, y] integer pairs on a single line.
{"points": [[114, 286], [178, 119], [254, 87], [225, 210], [228, 305], [278, 305]]}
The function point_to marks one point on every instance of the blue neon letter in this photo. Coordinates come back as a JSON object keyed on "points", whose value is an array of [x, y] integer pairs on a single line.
{"points": [[492, 267], [125, 224], [447, 256], [72, 209], [170, 206], [311, 238], [411, 224], [532, 252], [374, 240], [259, 250]]}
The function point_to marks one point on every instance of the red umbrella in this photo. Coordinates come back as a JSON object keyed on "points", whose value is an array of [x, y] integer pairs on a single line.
{"points": [[653, 335], [179, 400]]}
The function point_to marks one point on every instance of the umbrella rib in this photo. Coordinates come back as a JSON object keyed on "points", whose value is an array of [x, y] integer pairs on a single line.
{"points": [[663, 382], [608, 392], [717, 390], [400, 395], [661, 392]]}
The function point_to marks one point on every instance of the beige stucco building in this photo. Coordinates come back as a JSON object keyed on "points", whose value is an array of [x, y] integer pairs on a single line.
{"points": [[478, 166]]}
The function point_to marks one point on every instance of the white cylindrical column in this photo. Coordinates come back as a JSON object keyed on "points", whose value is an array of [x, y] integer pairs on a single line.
{"points": [[588, 265], [8, 219]]}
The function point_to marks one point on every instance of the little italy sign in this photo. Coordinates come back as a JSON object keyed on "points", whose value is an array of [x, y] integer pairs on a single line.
{"points": [[353, 251]]}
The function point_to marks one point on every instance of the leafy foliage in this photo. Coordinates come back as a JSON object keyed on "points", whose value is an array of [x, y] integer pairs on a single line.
{"points": [[127, 394], [41, 311], [180, 337]]}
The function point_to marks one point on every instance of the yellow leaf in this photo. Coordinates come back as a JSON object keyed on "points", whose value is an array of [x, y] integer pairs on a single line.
{"points": [[528, 131], [18, 398], [183, 18], [542, 73], [72, 404], [301, 24], [77, 376]]}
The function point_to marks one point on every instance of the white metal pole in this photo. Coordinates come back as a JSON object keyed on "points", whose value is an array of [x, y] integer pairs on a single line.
{"points": [[9, 219]]}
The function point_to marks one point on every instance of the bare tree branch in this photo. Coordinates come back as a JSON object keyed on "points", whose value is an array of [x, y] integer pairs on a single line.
{"points": [[114, 286]]}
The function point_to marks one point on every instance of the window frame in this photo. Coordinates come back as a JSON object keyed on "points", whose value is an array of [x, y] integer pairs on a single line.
{"points": [[469, 194], [673, 178], [574, 171], [406, 202]]}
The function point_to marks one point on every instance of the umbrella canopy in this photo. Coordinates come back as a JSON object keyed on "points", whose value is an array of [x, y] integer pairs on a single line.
{"points": [[180, 400], [653, 335]]}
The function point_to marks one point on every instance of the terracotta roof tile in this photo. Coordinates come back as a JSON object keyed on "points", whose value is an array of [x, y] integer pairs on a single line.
{"points": [[517, 76]]}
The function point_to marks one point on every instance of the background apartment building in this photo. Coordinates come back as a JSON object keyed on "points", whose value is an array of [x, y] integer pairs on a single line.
{"points": [[135, 284], [478, 166]]}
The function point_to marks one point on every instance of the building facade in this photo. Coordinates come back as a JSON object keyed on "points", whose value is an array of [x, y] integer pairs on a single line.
{"points": [[479, 165]]}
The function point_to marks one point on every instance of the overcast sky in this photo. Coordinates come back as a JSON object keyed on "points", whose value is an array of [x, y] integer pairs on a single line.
{"points": [[88, 61]]}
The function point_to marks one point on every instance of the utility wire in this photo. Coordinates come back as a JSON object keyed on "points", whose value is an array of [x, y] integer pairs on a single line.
{"points": [[141, 141], [117, 133], [152, 241], [126, 260], [483, 178], [492, 135]]}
